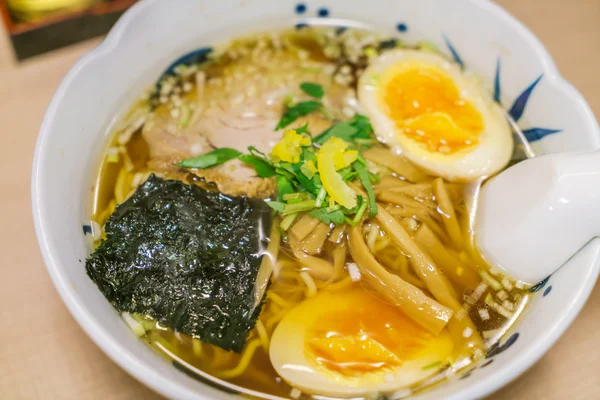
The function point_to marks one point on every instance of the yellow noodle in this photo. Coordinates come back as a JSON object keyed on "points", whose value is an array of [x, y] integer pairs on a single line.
{"points": [[396, 163], [247, 355], [304, 226], [343, 284], [422, 309], [311, 287], [271, 322], [448, 214], [277, 299], [452, 267], [313, 243], [372, 236], [382, 243], [263, 336]]}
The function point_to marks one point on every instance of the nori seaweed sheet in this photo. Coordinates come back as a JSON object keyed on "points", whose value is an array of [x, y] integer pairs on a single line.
{"points": [[187, 257]]}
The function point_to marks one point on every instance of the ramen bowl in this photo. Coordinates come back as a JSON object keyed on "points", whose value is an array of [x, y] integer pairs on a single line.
{"points": [[512, 63]]}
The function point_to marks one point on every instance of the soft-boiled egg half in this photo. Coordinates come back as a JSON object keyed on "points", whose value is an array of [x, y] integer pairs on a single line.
{"points": [[350, 344], [440, 119]]}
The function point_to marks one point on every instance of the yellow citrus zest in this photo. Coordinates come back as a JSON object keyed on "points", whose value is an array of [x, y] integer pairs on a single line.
{"points": [[289, 148], [331, 179]]}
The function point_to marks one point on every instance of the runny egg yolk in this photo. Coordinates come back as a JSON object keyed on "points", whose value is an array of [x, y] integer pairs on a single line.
{"points": [[427, 106], [368, 336]]}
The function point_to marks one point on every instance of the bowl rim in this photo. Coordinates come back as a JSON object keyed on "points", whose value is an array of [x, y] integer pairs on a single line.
{"points": [[127, 359]]}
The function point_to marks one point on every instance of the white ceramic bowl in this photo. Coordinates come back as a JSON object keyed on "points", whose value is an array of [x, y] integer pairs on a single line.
{"points": [[155, 32]]}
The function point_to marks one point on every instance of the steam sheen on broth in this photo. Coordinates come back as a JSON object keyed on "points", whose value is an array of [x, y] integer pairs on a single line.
{"points": [[386, 301]]}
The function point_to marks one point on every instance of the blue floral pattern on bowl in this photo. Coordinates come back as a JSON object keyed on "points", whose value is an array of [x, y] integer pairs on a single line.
{"points": [[518, 107]]}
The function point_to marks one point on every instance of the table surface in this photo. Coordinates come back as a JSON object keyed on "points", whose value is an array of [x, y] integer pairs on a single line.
{"points": [[45, 355]]}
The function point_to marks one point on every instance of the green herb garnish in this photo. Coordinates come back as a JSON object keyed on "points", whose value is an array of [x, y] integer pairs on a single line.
{"points": [[296, 111], [365, 179], [211, 159], [358, 130], [284, 185], [342, 130], [432, 365], [313, 89], [337, 216], [263, 167]]}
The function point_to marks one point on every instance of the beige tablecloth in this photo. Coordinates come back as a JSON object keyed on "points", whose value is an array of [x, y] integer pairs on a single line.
{"points": [[45, 355]]}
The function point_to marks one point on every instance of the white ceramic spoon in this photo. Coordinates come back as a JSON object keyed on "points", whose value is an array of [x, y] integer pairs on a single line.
{"points": [[537, 214]]}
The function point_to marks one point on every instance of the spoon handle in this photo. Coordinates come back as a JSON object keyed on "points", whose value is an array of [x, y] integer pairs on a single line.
{"points": [[537, 214]]}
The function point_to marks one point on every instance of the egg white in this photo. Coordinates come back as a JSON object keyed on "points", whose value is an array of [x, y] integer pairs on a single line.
{"points": [[289, 357], [494, 148]]}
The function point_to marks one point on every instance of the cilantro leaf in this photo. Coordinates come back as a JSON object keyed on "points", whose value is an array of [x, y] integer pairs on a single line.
{"points": [[337, 216], [365, 179], [306, 183], [312, 89], [263, 167], [211, 159], [303, 129], [284, 185], [342, 130], [363, 126], [296, 111], [255, 152]]}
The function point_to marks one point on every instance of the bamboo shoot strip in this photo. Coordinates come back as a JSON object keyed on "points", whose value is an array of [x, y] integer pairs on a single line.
{"points": [[422, 309], [448, 215]]}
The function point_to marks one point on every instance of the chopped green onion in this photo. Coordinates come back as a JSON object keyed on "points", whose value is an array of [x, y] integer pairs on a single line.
{"points": [[112, 155], [136, 327], [295, 196], [370, 52], [333, 207], [308, 169], [320, 197], [288, 221], [276, 205], [186, 114], [432, 365], [360, 212], [305, 205], [288, 100], [497, 286]]}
